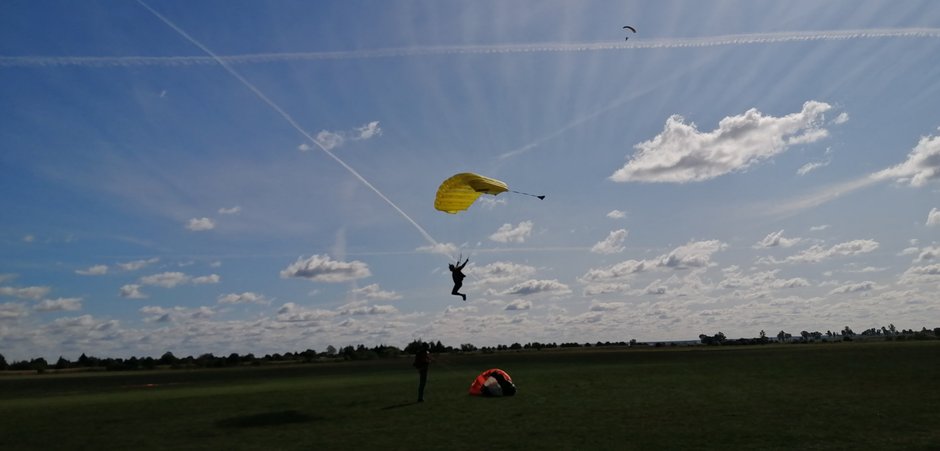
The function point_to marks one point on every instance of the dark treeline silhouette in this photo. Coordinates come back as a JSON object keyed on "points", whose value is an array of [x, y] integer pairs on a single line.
{"points": [[361, 352], [889, 333]]}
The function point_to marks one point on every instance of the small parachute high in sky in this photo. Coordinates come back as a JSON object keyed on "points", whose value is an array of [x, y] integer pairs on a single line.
{"points": [[460, 191], [627, 27]]}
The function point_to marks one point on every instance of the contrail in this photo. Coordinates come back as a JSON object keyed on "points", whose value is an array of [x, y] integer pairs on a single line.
{"points": [[290, 120], [637, 44], [822, 196]]}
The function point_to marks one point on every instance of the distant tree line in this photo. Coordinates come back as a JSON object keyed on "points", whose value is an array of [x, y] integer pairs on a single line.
{"points": [[889, 333], [361, 352]]}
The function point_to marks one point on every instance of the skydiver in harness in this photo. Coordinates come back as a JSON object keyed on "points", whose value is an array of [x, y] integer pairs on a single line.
{"points": [[455, 272]]}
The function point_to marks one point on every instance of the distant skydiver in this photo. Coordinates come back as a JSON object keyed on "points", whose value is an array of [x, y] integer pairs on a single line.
{"points": [[627, 27], [455, 272]]}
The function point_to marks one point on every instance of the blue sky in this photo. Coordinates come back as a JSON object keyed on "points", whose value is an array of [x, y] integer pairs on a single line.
{"points": [[259, 176]]}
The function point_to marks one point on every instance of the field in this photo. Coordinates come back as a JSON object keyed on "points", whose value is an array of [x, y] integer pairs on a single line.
{"points": [[823, 396]]}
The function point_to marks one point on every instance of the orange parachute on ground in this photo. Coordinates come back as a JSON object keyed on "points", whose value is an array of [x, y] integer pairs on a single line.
{"points": [[493, 382]]}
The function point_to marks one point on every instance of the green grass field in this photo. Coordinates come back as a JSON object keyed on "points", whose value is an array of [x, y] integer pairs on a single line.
{"points": [[832, 396]]}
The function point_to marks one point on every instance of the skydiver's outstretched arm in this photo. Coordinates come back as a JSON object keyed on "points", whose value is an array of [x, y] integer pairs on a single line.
{"points": [[460, 266]]}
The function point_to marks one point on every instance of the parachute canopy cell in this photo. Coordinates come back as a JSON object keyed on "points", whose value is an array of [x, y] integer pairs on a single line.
{"points": [[460, 191], [493, 382]]}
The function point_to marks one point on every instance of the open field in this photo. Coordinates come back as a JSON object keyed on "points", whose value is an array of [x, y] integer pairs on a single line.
{"points": [[834, 396]]}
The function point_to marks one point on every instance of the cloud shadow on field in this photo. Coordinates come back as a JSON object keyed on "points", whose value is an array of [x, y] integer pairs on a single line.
{"points": [[266, 419]]}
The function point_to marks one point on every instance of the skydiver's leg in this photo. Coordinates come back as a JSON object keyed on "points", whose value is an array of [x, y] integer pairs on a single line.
{"points": [[457, 287]]}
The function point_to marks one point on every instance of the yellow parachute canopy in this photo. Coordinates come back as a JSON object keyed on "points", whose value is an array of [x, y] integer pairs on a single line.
{"points": [[462, 190]]}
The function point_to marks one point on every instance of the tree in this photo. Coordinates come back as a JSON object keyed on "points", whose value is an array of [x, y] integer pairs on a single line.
{"points": [[3, 363], [330, 350], [39, 364], [167, 359], [62, 363]]}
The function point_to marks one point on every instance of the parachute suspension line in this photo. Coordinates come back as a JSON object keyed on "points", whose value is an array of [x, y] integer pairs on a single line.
{"points": [[290, 120], [527, 194]]}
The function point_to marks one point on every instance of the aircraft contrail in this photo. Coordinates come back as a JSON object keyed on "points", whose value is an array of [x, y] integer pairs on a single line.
{"points": [[290, 120], [637, 44]]}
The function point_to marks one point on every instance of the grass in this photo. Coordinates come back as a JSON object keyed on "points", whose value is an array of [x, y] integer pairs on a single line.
{"points": [[834, 396]]}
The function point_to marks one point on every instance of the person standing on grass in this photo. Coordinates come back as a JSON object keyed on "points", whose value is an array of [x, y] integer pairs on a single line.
{"points": [[422, 362]]}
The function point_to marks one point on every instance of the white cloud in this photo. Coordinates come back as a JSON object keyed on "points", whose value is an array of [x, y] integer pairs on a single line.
{"points": [[509, 234], [12, 310], [519, 304], [490, 202], [759, 281], [682, 154], [530, 287], [60, 304], [374, 293], [776, 239], [96, 270], [291, 312], [616, 272], [247, 297], [132, 291], [595, 289], [204, 280], [921, 274], [692, 255], [819, 227], [137, 264], [617, 214], [329, 140], [166, 279], [655, 288], [361, 308], [842, 118], [177, 314], [321, 268], [927, 254], [25, 293], [854, 288], [809, 167], [501, 272], [200, 224], [612, 244], [230, 211], [605, 306], [921, 167], [368, 131], [447, 249], [933, 218], [818, 253]]}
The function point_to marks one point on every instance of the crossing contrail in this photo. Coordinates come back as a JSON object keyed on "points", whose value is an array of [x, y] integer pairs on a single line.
{"points": [[290, 120], [637, 44]]}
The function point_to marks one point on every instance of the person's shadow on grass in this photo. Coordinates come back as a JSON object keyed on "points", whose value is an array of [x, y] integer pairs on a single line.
{"points": [[399, 406]]}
